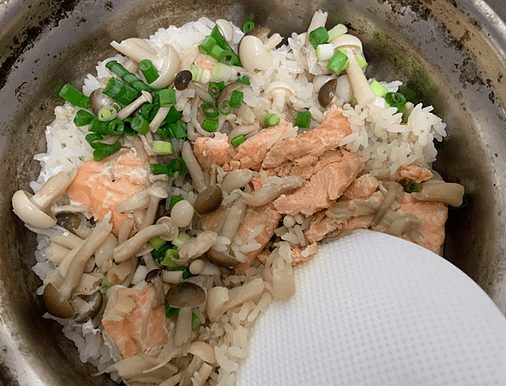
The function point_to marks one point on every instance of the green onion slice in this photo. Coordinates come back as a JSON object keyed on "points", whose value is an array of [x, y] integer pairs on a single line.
{"points": [[83, 118], [209, 109], [237, 140], [149, 70], [236, 98], [74, 96], [140, 124], [271, 119], [396, 99], [224, 108], [107, 113], [210, 125], [318, 36], [215, 88], [413, 187], [303, 119]]}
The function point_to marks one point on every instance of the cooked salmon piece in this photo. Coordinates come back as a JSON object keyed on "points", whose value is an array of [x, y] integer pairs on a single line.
{"points": [[251, 153], [333, 173], [262, 216], [363, 187], [413, 173], [212, 151], [314, 143], [101, 185], [132, 322], [433, 215]]}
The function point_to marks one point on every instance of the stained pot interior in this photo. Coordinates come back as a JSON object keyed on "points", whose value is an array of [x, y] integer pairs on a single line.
{"points": [[449, 54]]}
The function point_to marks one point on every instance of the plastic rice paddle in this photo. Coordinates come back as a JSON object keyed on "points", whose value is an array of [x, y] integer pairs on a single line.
{"points": [[371, 309]]}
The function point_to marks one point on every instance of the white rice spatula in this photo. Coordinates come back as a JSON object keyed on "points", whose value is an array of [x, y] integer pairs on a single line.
{"points": [[371, 309]]}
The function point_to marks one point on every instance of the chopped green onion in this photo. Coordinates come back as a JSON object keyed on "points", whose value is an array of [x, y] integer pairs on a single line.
{"points": [[167, 97], [140, 124], [209, 109], [378, 88], [115, 127], [318, 36], [324, 51], [174, 200], [248, 23], [221, 72], [215, 88], [74, 96], [127, 76], [168, 259], [105, 150], [207, 45], [196, 73], [120, 91], [361, 61], [338, 62], [157, 242], [244, 80], [222, 42], [170, 312], [338, 30], [237, 140], [180, 239], [148, 70], [210, 125], [162, 148], [196, 322], [92, 139], [177, 165], [98, 126], [226, 57], [172, 116], [413, 187], [83, 118], [107, 113], [236, 98], [395, 99], [178, 129], [148, 111], [303, 119], [224, 108], [271, 119]]}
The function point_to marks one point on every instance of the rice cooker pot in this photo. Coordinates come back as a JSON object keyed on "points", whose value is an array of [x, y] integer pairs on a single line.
{"points": [[449, 54]]}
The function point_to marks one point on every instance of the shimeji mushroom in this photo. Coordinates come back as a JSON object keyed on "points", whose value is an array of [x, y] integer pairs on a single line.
{"points": [[132, 107], [226, 29], [203, 360], [33, 209], [196, 246], [166, 59], [255, 54], [164, 227], [185, 296], [278, 91], [361, 89], [57, 299], [221, 299], [447, 192], [156, 194]]}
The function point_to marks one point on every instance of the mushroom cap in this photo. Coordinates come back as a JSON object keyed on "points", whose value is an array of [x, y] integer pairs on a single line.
{"points": [[89, 307], [171, 228], [278, 85], [55, 303], [222, 259], [186, 294], [158, 192], [226, 29], [29, 212], [203, 350], [253, 54], [168, 66], [348, 41]]}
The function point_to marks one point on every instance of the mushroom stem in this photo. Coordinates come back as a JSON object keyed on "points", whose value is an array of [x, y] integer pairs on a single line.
{"points": [[53, 188], [130, 109], [130, 247], [157, 194], [90, 245], [273, 41], [361, 89], [193, 167], [449, 193]]}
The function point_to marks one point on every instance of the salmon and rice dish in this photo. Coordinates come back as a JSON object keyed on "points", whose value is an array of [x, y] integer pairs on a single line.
{"points": [[190, 174]]}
